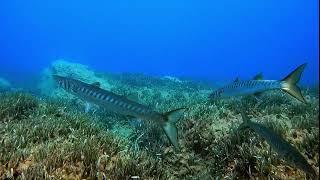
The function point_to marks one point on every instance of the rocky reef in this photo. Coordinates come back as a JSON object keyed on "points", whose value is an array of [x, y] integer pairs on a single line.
{"points": [[52, 138], [68, 69]]}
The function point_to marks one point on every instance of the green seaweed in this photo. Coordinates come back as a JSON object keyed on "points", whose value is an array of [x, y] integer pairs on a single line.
{"points": [[52, 138]]}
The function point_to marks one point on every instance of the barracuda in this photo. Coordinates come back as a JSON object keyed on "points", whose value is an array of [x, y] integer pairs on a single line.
{"points": [[283, 148], [242, 88], [94, 94]]}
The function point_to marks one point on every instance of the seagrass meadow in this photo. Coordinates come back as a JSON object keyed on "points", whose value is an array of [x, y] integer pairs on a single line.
{"points": [[50, 137]]}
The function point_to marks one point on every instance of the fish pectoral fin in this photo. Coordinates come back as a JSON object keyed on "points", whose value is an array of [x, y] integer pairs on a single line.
{"points": [[170, 127]]}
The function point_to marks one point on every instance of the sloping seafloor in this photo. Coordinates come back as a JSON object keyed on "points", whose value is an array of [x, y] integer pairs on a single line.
{"points": [[48, 136]]}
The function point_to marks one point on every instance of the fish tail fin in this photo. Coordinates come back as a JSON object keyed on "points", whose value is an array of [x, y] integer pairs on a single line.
{"points": [[290, 83], [169, 126]]}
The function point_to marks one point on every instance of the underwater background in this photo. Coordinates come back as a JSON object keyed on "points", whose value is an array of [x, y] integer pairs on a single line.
{"points": [[164, 55], [211, 40]]}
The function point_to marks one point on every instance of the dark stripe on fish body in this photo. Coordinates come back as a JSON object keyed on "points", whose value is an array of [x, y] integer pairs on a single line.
{"points": [[101, 96], [272, 83], [89, 92], [116, 102], [68, 85], [120, 103], [62, 85], [254, 83], [65, 85], [107, 97]]}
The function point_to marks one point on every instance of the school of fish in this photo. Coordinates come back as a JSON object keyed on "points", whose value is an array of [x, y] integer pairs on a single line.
{"points": [[92, 93]]}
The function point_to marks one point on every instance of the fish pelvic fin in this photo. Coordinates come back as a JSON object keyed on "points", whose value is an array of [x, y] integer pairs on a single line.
{"points": [[290, 83], [169, 126], [87, 107]]}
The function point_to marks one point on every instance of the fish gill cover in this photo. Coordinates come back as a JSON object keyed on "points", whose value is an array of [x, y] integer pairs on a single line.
{"points": [[160, 59]]}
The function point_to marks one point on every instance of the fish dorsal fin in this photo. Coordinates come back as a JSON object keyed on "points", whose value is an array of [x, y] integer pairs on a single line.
{"points": [[236, 80], [258, 77], [97, 84]]}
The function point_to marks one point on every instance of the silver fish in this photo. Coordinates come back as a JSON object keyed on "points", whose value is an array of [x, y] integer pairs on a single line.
{"points": [[256, 86], [119, 104], [283, 148]]}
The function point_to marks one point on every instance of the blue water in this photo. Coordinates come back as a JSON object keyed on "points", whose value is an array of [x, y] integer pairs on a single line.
{"points": [[214, 40]]}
